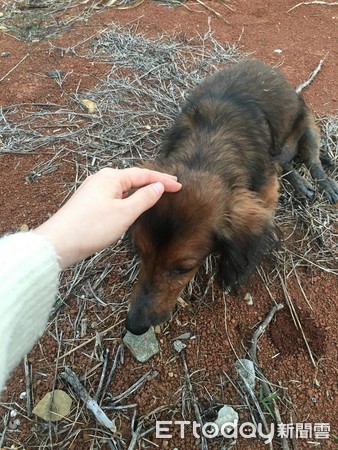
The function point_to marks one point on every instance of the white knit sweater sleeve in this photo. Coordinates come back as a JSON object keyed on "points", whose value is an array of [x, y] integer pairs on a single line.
{"points": [[29, 273]]}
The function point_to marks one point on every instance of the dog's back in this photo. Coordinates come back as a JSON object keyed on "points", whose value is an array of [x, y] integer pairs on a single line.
{"points": [[247, 112]]}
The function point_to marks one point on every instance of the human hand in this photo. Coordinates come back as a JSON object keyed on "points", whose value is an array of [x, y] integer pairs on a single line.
{"points": [[100, 211]]}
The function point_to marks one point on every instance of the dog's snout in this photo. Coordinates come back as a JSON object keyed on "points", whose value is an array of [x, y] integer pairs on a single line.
{"points": [[136, 325], [138, 319], [146, 310]]}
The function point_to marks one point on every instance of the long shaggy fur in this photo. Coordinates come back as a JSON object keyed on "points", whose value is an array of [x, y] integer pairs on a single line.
{"points": [[225, 146]]}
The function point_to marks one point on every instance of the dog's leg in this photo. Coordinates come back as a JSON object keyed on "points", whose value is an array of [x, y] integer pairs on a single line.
{"points": [[327, 162], [308, 150], [301, 186], [289, 151]]}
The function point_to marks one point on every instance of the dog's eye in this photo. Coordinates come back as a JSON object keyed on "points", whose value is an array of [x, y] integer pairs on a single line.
{"points": [[182, 270]]}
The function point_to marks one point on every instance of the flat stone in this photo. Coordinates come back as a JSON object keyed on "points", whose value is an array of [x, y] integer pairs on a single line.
{"points": [[142, 347], [246, 370], [227, 415]]}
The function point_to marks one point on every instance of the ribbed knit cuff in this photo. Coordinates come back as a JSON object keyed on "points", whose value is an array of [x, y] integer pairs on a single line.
{"points": [[29, 273]]}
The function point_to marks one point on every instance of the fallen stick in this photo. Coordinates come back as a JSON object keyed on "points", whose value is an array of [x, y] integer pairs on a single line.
{"points": [[135, 437], [259, 409], [28, 385], [306, 83], [296, 320], [253, 355], [204, 444], [103, 373], [312, 3], [17, 65], [212, 10], [260, 330], [146, 377], [90, 340], [112, 370], [71, 378]]}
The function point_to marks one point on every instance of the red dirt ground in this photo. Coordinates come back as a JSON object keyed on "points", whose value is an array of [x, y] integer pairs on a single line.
{"points": [[305, 35]]}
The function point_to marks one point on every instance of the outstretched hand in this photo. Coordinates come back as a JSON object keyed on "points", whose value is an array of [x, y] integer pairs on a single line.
{"points": [[101, 210]]}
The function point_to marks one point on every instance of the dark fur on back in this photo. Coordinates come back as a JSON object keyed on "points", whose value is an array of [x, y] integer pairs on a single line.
{"points": [[223, 147]]}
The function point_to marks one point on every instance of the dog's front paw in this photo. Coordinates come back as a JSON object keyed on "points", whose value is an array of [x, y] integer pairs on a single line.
{"points": [[304, 188], [330, 187]]}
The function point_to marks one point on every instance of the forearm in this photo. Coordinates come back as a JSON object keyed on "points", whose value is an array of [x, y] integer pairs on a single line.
{"points": [[29, 272]]}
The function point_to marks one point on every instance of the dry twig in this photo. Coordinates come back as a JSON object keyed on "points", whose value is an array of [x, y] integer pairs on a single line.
{"points": [[260, 330], [253, 355], [296, 319], [13, 68], [313, 3], [204, 443], [300, 87], [71, 378], [28, 385], [219, 15]]}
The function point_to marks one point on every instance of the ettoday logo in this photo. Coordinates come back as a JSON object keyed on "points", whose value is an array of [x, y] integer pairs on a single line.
{"points": [[247, 430], [211, 430]]}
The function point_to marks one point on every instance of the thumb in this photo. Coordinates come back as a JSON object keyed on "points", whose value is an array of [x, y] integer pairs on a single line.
{"points": [[144, 198]]}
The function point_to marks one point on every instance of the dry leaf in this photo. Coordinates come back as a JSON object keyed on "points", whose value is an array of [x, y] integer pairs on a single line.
{"points": [[54, 406], [182, 302], [90, 105]]}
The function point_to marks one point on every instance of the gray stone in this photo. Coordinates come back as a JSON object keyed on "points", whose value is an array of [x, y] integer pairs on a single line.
{"points": [[246, 370], [226, 415], [179, 346], [142, 347]]}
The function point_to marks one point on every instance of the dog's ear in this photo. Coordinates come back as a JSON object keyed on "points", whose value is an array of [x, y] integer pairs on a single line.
{"points": [[246, 235]]}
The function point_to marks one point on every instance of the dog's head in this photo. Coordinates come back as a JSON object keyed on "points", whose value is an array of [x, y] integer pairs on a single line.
{"points": [[174, 237]]}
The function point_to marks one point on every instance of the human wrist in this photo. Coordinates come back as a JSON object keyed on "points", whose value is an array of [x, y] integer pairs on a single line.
{"points": [[61, 242]]}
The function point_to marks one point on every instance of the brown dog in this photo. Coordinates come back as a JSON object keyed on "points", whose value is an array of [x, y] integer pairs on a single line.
{"points": [[223, 147]]}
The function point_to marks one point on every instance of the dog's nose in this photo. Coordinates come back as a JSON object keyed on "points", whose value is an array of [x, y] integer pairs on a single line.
{"points": [[135, 326]]}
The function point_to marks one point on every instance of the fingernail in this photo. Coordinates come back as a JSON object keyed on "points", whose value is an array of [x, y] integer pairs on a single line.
{"points": [[158, 188]]}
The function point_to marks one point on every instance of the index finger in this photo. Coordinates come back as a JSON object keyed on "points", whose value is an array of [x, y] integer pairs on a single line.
{"points": [[136, 177]]}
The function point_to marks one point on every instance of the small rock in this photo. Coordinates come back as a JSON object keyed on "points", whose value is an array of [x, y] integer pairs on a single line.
{"points": [[24, 228], [23, 396], [14, 424], [54, 406], [90, 105], [226, 415], [248, 298], [13, 413], [142, 347], [179, 346], [157, 329], [246, 370]]}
